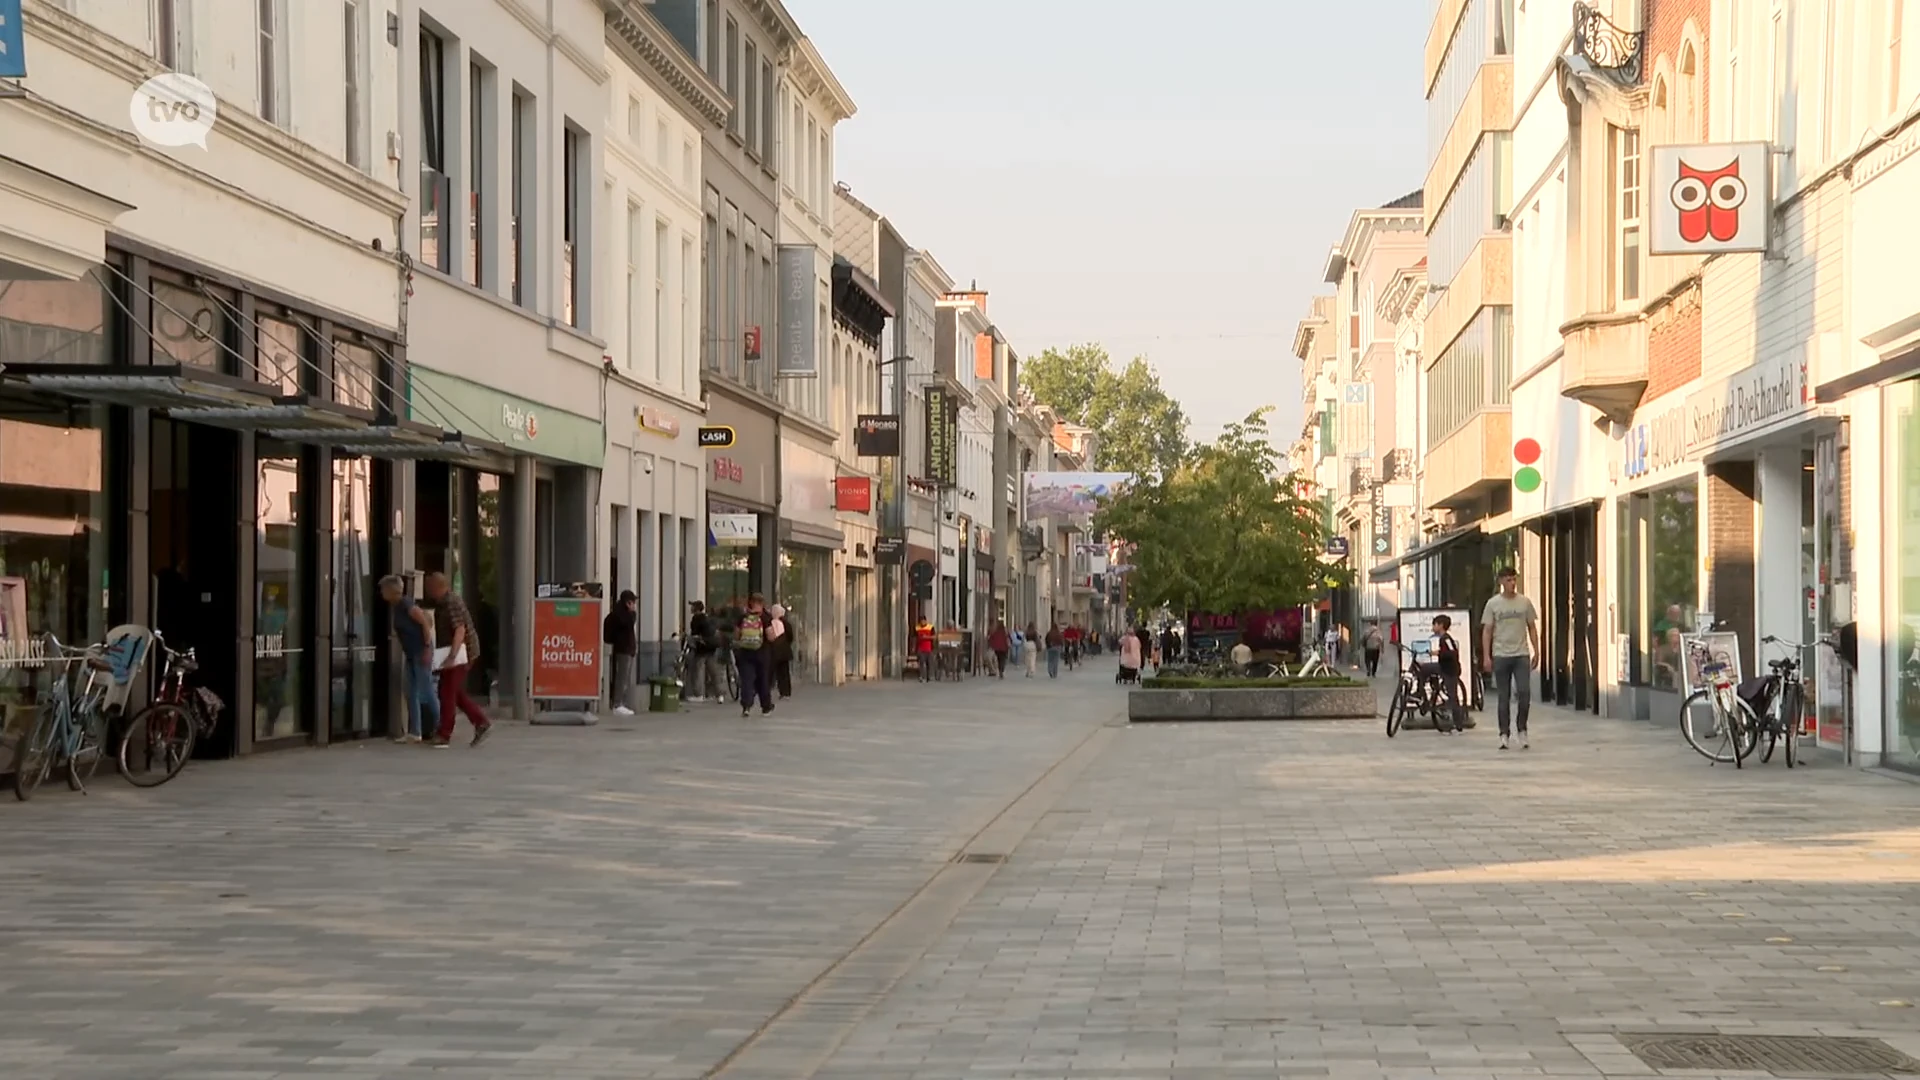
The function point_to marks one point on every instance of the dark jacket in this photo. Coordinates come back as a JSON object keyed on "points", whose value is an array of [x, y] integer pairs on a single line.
{"points": [[622, 630], [704, 634]]}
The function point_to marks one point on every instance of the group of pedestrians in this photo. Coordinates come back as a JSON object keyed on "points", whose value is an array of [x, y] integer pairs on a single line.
{"points": [[755, 638], [436, 674]]}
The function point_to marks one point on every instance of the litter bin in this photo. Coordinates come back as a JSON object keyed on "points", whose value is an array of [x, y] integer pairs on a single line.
{"points": [[663, 695]]}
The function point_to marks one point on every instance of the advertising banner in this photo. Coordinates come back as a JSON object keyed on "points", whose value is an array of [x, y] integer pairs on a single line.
{"points": [[1070, 494], [942, 436], [13, 49], [566, 641], [733, 530], [877, 435], [799, 318]]}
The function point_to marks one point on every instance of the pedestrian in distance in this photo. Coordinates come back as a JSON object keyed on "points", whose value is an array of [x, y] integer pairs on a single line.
{"points": [[753, 658], [1130, 660], [453, 624], [780, 645], [1056, 644], [923, 648], [1510, 648], [1031, 651], [621, 631], [414, 628], [1001, 644], [1371, 645], [1241, 656], [1331, 642], [703, 645], [1446, 657]]}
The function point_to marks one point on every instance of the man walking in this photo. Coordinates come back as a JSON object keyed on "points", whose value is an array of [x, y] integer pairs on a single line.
{"points": [[751, 654], [704, 682], [1371, 645], [621, 630], [413, 627], [1510, 642], [453, 624]]}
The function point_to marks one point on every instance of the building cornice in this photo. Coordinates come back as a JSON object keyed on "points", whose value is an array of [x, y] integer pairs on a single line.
{"points": [[775, 19], [636, 34], [816, 80], [923, 267], [556, 40]]}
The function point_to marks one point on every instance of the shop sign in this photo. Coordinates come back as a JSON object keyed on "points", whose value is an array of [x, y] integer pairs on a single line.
{"points": [[13, 46], [1382, 523], [942, 441], [853, 494], [877, 435], [566, 638], [890, 550], [728, 471], [716, 437], [1711, 199], [1337, 546], [651, 419], [733, 530], [1744, 403], [522, 425], [799, 318], [1658, 444]]}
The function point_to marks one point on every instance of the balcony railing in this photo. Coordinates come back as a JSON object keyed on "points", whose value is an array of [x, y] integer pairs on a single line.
{"points": [[1616, 52]]}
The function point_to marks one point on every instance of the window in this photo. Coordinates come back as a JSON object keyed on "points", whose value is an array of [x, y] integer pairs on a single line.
{"points": [[1736, 13], [479, 205], [823, 178], [519, 273], [1686, 115], [712, 38], [1896, 29], [572, 224], [750, 100], [436, 190], [1475, 371], [796, 149], [762, 293], [728, 334], [1470, 210], [1625, 187], [732, 80], [660, 139], [1777, 82], [683, 328], [661, 355], [686, 165], [636, 119], [1662, 115], [356, 138], [805, 182], [269, 45], [173, 34], [1903, 591], [769, 117], [1659, 557], [709, 295], [633, 286]]}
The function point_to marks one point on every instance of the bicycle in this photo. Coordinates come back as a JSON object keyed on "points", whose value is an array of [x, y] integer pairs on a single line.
{"points": [[1313, 665], [159, 740], [1730, 719], [1421, 692], [1781, 702], [70, 730]]}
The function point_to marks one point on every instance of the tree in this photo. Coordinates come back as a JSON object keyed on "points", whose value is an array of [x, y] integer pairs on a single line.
{"points": [[1137, 427], [1223, 531]]}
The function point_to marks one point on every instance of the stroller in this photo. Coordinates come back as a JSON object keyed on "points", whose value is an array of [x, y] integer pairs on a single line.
{"points": [[1127, 675]]}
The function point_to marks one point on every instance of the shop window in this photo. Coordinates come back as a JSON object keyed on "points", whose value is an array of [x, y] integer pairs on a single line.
{"points": [[55, 561], [188, 327], [282, 570], [280, 344], [55, 322], [1660, 580], [1903, 598], [353, 375]]}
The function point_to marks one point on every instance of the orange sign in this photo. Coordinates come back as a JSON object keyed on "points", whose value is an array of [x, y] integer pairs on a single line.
{"points": [[853, 493], [566, 648]]}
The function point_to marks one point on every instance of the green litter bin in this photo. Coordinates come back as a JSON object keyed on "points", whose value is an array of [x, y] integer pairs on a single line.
{"points": [[663, 694]]}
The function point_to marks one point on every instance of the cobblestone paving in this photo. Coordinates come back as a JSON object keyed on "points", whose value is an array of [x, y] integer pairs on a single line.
{"points": [[628, 901], [1308, 900]]}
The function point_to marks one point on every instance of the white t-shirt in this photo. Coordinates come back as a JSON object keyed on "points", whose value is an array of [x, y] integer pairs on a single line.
{"points": [[1242, 655]]}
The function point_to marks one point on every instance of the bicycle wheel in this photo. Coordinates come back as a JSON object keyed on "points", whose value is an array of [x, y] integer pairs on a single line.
{"points": [[1767, 734], [33, 755], [733, 682], [1700, 725], [88, 749], [1744, 724], [158, 744], [1395, 715], [1790, 710]]}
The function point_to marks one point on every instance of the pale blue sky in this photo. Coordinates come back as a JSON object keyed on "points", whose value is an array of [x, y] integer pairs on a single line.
{"points": [[1164, 178]]}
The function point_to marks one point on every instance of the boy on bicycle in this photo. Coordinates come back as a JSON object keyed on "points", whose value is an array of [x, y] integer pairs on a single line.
{"points": [[1446, 661]]}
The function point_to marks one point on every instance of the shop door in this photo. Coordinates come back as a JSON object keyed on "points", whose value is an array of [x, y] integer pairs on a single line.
{"points": [[282, 584], [1833, 590], [357, 609], [193, 549]]}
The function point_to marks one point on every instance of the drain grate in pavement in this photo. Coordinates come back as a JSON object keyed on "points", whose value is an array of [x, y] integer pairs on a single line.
{"points": [[978, 857], [1781, 1055]]}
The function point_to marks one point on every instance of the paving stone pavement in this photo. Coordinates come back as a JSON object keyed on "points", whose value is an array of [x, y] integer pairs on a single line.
{"points": [[1313, 900], [627, 901]]}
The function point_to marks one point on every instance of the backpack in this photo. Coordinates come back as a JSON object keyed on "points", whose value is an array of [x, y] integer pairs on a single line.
{"points": [[752, 631]]}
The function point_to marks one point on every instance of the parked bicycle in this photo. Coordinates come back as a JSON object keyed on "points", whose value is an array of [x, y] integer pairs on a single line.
{"points": [[159, 740], [1422, 691], [70, 731], [1780, 700], [1716, 721]]}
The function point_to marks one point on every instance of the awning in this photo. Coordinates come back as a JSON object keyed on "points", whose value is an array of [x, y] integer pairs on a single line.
{"points": [[1387, 571], [158, 386], [293, 418]]}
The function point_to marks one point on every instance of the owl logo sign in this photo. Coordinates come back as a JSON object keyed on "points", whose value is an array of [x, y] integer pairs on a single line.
{"points": [[1712, 199]]}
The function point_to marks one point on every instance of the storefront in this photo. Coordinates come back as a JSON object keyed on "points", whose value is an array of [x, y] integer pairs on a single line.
{"points": [[742, 504], [811, 584], [1655, 518], [854, 501], [215, 476], [653, 505]]}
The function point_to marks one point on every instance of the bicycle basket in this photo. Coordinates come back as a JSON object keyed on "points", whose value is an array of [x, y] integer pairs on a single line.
{"points": [[207, 708]]}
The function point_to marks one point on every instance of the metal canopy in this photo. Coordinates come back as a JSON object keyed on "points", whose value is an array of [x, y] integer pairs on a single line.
{"points": [[166, 387], [296, 418]]}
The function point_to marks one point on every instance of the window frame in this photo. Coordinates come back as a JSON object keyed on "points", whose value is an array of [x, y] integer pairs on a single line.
{"points": [[353, 45], [1626, 192], [480, 198]]}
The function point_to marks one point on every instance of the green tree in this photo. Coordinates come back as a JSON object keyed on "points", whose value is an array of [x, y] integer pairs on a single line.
{"points": [[1138, 428], [1223, 531]]}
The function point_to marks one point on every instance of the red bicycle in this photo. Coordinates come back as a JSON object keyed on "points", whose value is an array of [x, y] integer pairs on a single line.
{"points": [[159, 740]]}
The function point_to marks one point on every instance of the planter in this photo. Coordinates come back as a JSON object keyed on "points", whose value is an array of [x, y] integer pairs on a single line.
{"points": [[1303, 703]]}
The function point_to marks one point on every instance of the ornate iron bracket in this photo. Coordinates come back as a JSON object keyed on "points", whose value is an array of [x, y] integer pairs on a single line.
{"points": [[1608, 48]]}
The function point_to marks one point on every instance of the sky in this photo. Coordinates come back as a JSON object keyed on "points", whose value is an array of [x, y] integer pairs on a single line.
{"points": [[1162, 178]]}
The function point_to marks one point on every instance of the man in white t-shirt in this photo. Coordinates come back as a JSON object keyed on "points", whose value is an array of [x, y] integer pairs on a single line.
{"points": [[1510, 646]]}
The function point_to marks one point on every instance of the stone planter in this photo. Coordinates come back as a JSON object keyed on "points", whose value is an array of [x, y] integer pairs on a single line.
{"points": [[1253, 703]]}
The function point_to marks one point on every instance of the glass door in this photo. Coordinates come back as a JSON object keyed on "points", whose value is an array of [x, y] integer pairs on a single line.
{"points": [[282, 578], [350, 666]]}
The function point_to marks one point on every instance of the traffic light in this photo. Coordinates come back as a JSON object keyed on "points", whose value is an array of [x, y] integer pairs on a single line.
{"points": [[1526, 478]]}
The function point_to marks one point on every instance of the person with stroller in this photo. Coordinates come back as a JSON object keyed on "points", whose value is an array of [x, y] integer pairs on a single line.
{"points": [[1130, 659]]}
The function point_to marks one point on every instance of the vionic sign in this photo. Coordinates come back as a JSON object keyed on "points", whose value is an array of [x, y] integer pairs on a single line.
{"points": [[1744, 403]]}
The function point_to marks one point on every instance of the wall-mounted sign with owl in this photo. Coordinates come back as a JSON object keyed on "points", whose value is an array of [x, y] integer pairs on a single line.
{"points": [[1710, 199]]}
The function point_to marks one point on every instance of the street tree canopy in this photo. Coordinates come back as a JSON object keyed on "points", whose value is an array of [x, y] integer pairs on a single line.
{"points": [[1138, 428], [1223, 531]]}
